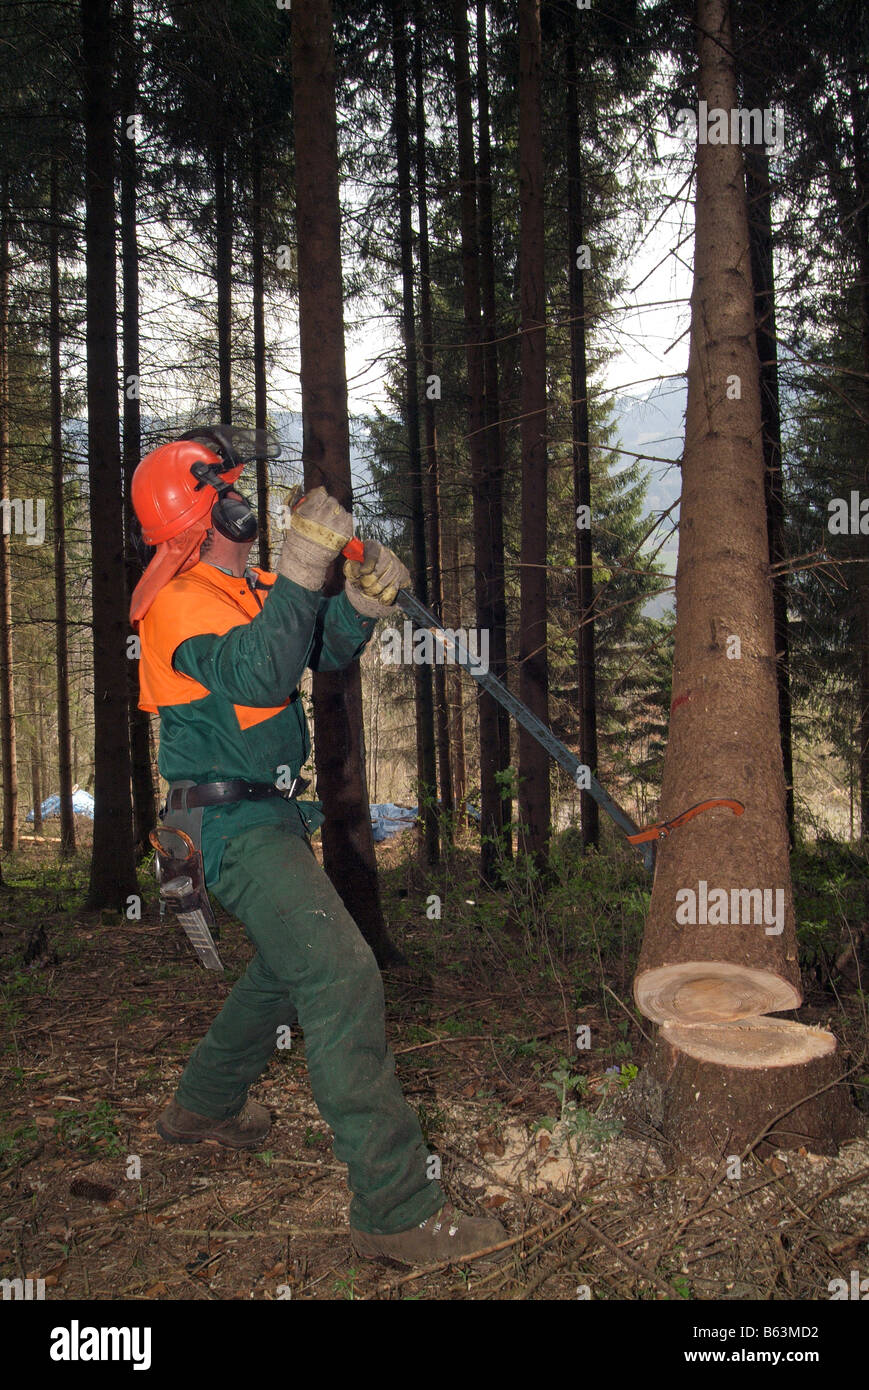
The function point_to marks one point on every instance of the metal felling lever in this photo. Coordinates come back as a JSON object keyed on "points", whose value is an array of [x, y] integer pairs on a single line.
{"points": [[662, 828], [580, 774]]}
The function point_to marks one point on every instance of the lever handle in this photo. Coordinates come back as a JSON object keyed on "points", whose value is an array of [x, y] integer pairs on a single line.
{"points": [[354, 549]]}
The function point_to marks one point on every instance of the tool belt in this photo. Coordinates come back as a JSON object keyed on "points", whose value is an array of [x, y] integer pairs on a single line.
{"points": [[185, 796], [178, 864]]}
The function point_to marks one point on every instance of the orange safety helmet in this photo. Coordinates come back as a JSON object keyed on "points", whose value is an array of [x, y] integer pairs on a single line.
{"points": [[174, 511], [166, 496]]}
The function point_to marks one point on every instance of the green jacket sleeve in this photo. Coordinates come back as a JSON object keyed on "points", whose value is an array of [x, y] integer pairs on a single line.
{"points": [[342, 635], [260, 663]]}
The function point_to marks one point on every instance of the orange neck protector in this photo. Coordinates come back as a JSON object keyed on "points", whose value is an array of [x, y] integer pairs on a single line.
{"points": [[172, 557]]}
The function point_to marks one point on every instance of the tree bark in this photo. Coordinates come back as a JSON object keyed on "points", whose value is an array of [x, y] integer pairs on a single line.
{"points": [[223, 274], [259, 353], [486, 504], [492, 406], [113, 873], [457, 729], [348, 847], [7, 679], [422, 673], [144, 796], [861, 226], [589, 818], [706, 1110], [431, 467], [763, 278], [698, 976], [64, 751], [36, 784], [534, 797]]}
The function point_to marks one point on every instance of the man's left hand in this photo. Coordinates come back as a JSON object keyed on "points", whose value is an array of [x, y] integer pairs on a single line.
{"points": [[372, 584]]}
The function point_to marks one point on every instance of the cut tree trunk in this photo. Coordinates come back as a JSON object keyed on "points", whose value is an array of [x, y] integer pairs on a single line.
{"points": [[700, 977], [761, 1083], [759, 196], [339, 745], [857, 103]]}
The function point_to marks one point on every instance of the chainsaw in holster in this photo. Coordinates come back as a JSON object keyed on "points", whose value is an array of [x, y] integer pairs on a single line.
{"points": [[181, 880]]}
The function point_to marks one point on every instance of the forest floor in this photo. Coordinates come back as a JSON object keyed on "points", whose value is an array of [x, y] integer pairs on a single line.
{"points": [[483, 1023]]}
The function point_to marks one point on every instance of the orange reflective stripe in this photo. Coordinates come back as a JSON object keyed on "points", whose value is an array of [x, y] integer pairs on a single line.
{"points": [[204, 600]]}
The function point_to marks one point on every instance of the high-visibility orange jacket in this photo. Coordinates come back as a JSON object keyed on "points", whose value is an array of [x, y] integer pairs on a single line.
{"points": [[221, 661]]}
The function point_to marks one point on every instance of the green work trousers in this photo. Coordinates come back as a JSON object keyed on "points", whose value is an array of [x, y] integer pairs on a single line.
{"points": [[313, 967]]}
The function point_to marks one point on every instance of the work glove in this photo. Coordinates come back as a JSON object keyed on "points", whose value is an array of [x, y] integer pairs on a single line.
{"points": [[316, 530], [371, 584]]}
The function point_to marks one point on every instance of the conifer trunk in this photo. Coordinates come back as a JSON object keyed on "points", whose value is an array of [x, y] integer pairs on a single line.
{"points": [[64, 751], [348, 847], [486, 503], [589, 817], [534, 796], [223, 275], [113, 873], [861, 227], [144, 797], [7, 680], [492, 404], [431, 465], [720, 1071], [422, 672], [259, 354], [759, 197]]}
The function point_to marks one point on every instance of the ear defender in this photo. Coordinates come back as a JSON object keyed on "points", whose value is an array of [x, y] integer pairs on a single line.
{"points": [[234, 518]]}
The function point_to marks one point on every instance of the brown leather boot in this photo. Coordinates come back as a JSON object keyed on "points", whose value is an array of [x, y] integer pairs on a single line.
{"points": [[444, 1236], [246, 1130]]}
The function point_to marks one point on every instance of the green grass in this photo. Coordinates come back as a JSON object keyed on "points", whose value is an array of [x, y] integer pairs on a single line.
{"points": [[95, 1131]]}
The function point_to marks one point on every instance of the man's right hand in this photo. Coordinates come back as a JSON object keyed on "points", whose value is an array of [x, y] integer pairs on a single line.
{"points": [[315, 532]]}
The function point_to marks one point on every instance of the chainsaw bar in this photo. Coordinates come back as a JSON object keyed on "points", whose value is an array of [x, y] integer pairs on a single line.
{"points": [[182, 889]]}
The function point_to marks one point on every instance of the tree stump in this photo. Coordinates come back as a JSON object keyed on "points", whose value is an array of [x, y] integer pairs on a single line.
{"points": [[711, 1090]]}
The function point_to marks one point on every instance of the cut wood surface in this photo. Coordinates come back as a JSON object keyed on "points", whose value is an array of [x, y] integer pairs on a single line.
{"points": [[711, 991], [751, 1042]]}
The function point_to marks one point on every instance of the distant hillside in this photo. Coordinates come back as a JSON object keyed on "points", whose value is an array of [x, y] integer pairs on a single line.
{"points": [[655, 425]]}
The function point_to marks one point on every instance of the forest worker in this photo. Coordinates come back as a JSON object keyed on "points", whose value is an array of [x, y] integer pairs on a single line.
{"points": [[223, 648]]}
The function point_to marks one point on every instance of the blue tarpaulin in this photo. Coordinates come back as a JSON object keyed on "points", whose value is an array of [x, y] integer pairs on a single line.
{"points": [[387, 819], [82, 805]]}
